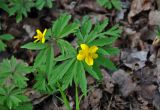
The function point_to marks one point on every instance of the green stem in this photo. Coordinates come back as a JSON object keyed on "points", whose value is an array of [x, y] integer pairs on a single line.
{"points": [[66, 102], [77, 99]]}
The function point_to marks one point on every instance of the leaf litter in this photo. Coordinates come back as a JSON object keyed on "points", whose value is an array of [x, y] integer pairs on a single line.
{"points": [[136, 83]]}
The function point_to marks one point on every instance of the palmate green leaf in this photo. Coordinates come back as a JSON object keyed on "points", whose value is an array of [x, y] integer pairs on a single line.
{"points": [[109, 51], [71, 28], [19, 17], [105, 3], [103, 41], [97, 69], [66, 48], [113, 50], [20, 80], [64, 57], [81, 77], [15, 70], [40, 58], [110, 4], [20, 8], [4, 6], [96, 32], [13, 10], [34, 46], [117, 4], [61, 27], [49, 3], [68, 77], [44, 64], [102, 51], [6, 37], [42, 81], [90, 70], [105, 62], [39, 4], [13, 102], [4, 70], [102, 2], [86, 26], [48, 33], [79, 36], [12, 96], [49, 59], [24, 106], [60, 70], [60, 23], [99, 27], [2, 46], [114, 31]]}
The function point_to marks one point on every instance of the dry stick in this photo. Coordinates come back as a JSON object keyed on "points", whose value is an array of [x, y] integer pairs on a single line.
{"points": [[109, 105]]}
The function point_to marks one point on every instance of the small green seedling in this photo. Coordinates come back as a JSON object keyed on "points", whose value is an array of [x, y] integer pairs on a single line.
{"points": [[110, 4], [3, 39]]}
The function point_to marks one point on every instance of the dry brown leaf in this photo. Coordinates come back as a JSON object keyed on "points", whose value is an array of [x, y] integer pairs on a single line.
{"points": [[123, 79], [138, 6], [158, 4], [95, 97], [147, 91], [107, 81], [92, 100], [154, 17], [156, 100], [90, 5]]}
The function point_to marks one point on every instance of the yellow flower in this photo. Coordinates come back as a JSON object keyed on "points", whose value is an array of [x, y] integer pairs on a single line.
{"points": [[40, 36], [87, 53]]}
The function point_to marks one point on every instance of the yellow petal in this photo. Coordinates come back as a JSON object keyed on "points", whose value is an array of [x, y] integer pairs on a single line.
{"points": [[80, 56], [43, 40], [35, 37], [84, 47], [44, 32], [93, 49], [81, 52], [94, 56], [89, 61], [36, 40], [39, 32]]}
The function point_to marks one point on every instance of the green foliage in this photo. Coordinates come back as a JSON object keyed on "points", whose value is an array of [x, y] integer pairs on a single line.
{"points": [[42, 81], [3, 39], [39, 4], [20, 8], [61, 27], [44, 63], [158, 31], [13, 82], [12, 98], [15, 71], [98, 36], [65, 100], [34, 46], [4, 6], [60, 71], [110, 4], [95, 35], [56, 72]]}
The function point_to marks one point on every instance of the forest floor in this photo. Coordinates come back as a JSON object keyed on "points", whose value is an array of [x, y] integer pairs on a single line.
{"points": [[136, 83]]}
